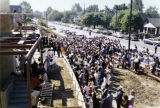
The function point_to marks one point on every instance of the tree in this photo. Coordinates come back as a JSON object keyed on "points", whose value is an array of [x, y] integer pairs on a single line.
{"points": [[38, 14], [107, 10], [76, 7], [151, 10], [138, 5], [116, 20], [87, 19], [106, 19], [26, 8], [92, 8], [55, 15], [68, 16], [120, 7], [96, 18], [49, 10], [137, 21]]}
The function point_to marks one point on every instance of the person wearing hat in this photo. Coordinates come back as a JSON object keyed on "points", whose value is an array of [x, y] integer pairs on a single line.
{"points": [[119, 96]]}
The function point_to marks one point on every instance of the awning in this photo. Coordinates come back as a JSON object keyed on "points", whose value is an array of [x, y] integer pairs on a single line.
{"points": [[149, 25]]}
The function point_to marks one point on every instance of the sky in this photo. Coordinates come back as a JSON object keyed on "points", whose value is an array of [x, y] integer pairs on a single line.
{"points": [[62, 5]]}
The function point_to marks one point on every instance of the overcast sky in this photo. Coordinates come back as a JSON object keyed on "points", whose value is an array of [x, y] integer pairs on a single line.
{"points": [[62, 5]]}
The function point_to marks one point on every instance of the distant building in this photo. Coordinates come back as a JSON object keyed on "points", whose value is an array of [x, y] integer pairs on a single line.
{"points": [[18, 9], [152, 25], [77, 18]]}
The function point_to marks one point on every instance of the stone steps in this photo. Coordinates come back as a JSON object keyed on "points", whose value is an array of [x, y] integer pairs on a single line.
{"points": [[19, 95]]}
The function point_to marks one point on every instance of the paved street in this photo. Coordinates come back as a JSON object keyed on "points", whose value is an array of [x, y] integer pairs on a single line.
{"points": [[140, 44]]}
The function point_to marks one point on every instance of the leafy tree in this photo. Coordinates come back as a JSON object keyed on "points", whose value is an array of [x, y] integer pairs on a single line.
{"points": [[116, 20], [55, 15], [107, 9], [76, 7], [138, 5], [26, 7], [65, 20], [87, 19], [151, 10], [38, 14], [68, 16], [96, 18], [137, 21], [49, 10], [106, 19], [120, 7], [92, 8]]}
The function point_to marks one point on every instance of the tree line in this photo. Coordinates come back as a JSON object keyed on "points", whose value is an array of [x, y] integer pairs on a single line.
{"points": [[117, 17]]}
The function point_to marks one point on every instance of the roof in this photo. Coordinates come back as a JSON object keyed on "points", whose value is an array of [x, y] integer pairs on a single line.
{"points": [[154, 21], [149, 25], [152, 15], [18, 8]]}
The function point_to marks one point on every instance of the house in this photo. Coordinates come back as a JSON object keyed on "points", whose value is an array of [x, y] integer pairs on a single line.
{"points": [[18, 9], [77, 19], [152, 25]]}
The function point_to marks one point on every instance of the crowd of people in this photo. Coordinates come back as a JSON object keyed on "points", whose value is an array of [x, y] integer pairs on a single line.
{"points": [[92, 60]]}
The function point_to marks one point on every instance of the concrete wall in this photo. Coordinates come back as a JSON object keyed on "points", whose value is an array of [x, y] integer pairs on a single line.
{"points": [[4, 4], [5, 25], [79, 95], [6, 67]]}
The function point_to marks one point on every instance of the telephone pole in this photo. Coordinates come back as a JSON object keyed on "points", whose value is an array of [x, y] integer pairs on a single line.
{"points": [[130, 27]]}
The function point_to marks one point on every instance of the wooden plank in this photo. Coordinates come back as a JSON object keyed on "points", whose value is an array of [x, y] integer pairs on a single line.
{"points": [[28, 83], [34, 47], [13, 52], [29, 42], [15, 46], [23, 39]]}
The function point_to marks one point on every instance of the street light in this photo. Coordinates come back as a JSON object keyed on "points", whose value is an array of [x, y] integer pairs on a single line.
{"points": [[130, 23]]}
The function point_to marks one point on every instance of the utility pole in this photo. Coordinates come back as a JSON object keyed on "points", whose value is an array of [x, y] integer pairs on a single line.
{"points": [[116, 18], [84, 9], [130, 26], [46, 19]]}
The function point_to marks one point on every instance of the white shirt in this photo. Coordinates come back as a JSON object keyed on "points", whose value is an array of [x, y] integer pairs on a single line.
{"points": [[96, 76], [131, 99], [86, 89], [34, 97]]}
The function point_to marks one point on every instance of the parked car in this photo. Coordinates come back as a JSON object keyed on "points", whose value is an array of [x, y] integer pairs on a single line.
{"points": [[133, 37], [105, 32], [52, 27], [118, 35], [152, 41], [96, 31]]}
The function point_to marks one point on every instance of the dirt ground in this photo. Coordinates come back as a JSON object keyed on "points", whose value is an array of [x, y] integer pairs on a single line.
{"points": [[64, 92], [147, 89]]}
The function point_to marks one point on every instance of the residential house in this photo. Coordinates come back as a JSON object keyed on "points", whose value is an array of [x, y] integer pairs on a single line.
{"points": [[18, 9], [152, 25]]}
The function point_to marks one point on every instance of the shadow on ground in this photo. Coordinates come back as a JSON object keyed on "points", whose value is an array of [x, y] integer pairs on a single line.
{"points": [[116, 80], [59, 92]]}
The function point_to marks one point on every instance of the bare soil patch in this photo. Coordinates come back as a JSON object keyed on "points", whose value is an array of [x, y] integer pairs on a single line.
{"points": [[147, 89]]}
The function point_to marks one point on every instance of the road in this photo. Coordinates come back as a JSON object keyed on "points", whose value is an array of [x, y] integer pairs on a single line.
{"points": [[140, 44]]}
